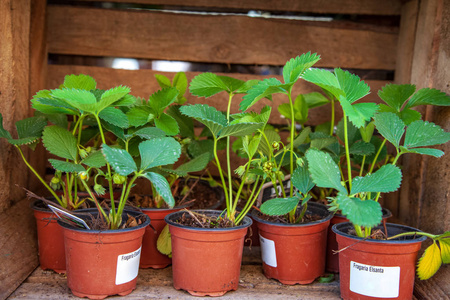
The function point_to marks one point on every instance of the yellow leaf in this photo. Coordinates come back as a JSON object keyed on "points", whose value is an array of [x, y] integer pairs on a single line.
{"points": [[445, 250], [164, 243], [430, 262]]}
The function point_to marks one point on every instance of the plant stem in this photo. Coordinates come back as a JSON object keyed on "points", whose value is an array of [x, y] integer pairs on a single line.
{"points": [[249, 204], [100, 209], [291, 169], [358, 230], [332, 117], [347, 153], [374, 162], [362, 166], [230, 187], [431, 236], [224, 184]]}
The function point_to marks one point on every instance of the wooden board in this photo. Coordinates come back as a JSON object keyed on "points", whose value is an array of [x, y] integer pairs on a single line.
{"points": [[370, 7], [143, 84], [226, 39], [18, 247]]}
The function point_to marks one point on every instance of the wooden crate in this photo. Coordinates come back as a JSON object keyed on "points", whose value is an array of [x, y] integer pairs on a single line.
{"points": [[407, 39]]}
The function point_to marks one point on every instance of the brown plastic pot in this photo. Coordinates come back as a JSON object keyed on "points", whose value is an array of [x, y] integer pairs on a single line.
{"points": [[206, 262], [103, 263], [50, 239], [332, 245], [377, 269], [294, 253]]}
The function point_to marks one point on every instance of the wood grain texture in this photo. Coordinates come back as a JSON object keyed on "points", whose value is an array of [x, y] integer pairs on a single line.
{"points": [[226, 39], [369, 7], [18, 247]]}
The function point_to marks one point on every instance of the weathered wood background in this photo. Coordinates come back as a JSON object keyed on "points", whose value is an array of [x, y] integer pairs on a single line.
{"points": [[407, 39]]}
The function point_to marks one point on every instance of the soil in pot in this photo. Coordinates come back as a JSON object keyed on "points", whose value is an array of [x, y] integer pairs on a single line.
{"points": [[294, 253], [206, 261], [377, 269], [332, 245], [102, 263]]}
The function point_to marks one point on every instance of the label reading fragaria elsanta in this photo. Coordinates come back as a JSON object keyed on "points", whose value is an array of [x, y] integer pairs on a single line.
{"points": [[374, 281], [127, 266], [268, 254]]}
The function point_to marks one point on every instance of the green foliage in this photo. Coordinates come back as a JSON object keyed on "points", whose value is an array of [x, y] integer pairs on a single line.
{"points": [[120, 160], [207, 115], [159, 152], [423, 133], [387, 179], [161, 185], [324, 171], [60, 142], [365, 213], [396, 95], [279, 206], [64, 166]]}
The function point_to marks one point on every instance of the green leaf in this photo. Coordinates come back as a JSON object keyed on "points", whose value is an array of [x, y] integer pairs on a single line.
{"points": [[367, 132], [385, 180], [185, 123], [430, 262], [160, 100], [162, 186], [139, 116], [117, 131], [159, 152], [395, 95], [428, 96], [53, 106], [114, 116], [80, 99], [362, 148], [246, 86], [390, 126], [250, 145], [167, 124], [359, 113], [239, 129], [197, 148], [60, 142], [207, 85], [163, 81], [82, 82], [126, 100], [150, 133], [295, 67], [322, 142], [232, 84], [56, 119], [31, 127], [95, 160], [324, 79], [164, 242], [263, 89], [194, 165], [424, 151], [352, 86], [422, 133], [272, 136], [207, 115], [315, 99], [64, 166], [301, 138], [120, 160], [301, 179], [363, 213], [3, 132], [279, 206], [181, 83], [353, 132], [409, 115], [324, 171], [111, 96], [444, 244]]}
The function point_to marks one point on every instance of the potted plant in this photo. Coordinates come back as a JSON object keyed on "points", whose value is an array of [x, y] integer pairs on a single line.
{"points": [[365, 262], [206, 255]]}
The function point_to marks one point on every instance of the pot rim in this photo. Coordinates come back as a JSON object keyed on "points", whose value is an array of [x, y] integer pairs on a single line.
{"points": [[312, 205], [111, 231], [338, 229], [246, 222], [164, 209]]}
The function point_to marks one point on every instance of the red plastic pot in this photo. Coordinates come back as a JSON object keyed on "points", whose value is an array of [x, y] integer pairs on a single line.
{"points": [[332, 245], [103, 263], [50, 239], [206, 262], [294, 253], [377, 269], [150, 256]]}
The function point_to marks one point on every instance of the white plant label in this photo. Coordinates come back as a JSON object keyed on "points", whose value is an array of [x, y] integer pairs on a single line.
{"points": [[374, 281], [127, 266], [268, 254]]}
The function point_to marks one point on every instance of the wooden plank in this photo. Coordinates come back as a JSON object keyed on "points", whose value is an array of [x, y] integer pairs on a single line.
{"points": [[227, 39], [369, 7], [18, 247], [143, 84]]}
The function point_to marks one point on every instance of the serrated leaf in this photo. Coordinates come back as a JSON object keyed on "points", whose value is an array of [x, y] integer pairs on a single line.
{"points": [[301, 138], [120, 160], [385, 180], [80, 99], [139, 116], [422, 133], [246, 86], [263, 89], [324, 79], [409, 115], [117, 131], [126, 100], [150, 133], [207, 115], [395, 95], [80, 81], [279, 206], [352, 86], [159, 152], [390, 126], [206, 85], [359, 113], [163, 81], [424, 151], [367, 132], [295, 67], [111, 96], [265, 146], [185, 123], [31, 127], [167, 124], [114, 116], [161, 99], [362, 148], [164, 242], [240, 129], [444, 245], [428, 96], [324, 171], [430, 262], [362, 213], [197, 148], [56, 119], [315, 99], [302, 180], [321, 143], [66, 167], [250, 145], [53, 106], [60, 142], [95, 159], [194, 165], [353, 132], [181, 83], [232, 84], [161, 186]]}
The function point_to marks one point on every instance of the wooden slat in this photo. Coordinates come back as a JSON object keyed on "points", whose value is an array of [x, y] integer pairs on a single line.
{"points": [[143, 84], [18, 247], [369, 7], [214, 38]]}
